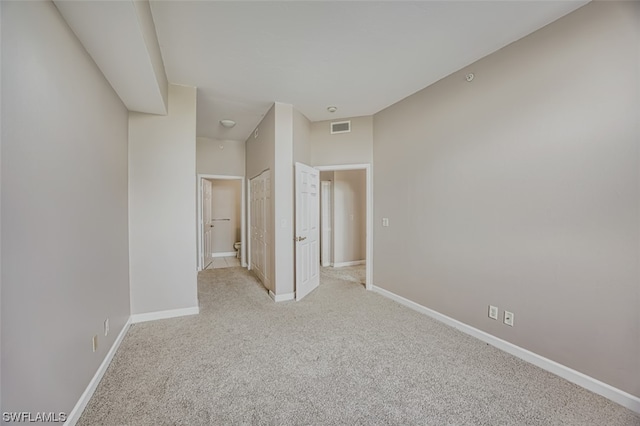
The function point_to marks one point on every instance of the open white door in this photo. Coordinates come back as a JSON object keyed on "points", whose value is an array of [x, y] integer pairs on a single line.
{"points": [[307, 230]]}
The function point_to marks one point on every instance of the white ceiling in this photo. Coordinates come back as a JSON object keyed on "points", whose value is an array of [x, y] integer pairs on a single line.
{"points": [[360, 56]]}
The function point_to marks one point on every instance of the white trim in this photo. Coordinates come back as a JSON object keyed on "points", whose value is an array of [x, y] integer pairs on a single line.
{"points": [[369, 249], [200, 225], [224, 254], [326, 225], [614, 394], [75, 414], [247, 246], [352, 263], [282, 297], [172, 313]]}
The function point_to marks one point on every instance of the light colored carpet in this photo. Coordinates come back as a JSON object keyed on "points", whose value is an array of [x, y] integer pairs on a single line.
{"points": [[342, 355], [354, 274]]}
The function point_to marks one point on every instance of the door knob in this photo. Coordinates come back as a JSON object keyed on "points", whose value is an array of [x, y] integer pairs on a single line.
{"points": [[300, 238]]}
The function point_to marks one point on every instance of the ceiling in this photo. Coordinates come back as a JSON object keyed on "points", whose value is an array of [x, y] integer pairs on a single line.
{"points": [[359, 56]]}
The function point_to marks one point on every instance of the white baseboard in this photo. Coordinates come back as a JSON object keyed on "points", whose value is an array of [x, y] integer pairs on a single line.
{"points": [[352, 263], [152, 316], [282, 297], [225, 254], [614, 394], [75, 414]]}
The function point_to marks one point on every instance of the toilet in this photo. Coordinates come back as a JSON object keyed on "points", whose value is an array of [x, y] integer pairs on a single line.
{"points": [[237, 246]]}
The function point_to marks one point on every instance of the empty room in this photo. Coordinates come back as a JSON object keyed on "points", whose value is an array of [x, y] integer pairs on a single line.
{"points": [[320, 212]]}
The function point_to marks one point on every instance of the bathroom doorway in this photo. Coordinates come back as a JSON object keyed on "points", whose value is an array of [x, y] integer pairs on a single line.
{"points": [[346, 222], [221, 217]]}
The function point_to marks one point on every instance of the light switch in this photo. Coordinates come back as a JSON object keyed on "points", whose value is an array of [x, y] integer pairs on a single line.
{"points": [[385, 221]]}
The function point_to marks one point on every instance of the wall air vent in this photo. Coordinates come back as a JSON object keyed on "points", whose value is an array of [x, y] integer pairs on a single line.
{"points": [[340, 127]]}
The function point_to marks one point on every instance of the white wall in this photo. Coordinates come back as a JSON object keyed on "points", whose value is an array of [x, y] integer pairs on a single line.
{"points": [[64, 245], [520, 189], [355, 147], [162, 206], [220, 157], [226, 196], [349, 216]]}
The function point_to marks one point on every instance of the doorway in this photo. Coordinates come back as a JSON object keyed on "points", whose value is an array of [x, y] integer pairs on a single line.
{"points": [[347, 220], [221, 217]]}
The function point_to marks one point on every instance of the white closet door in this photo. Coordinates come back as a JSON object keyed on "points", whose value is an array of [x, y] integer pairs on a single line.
{"points": [[260, 226]]}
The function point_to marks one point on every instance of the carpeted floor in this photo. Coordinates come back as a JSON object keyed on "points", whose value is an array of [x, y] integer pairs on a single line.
{"points": [[342, 355]]}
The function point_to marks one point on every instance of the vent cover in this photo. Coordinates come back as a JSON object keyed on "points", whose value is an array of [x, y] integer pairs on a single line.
{"points": [[340, 127]]}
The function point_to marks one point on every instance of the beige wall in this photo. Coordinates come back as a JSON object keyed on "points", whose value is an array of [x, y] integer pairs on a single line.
{"points": [[521, 189], [349, 216], [326, 175], [65, 266], [220, 157], [301, 138], [260, 156], [282, 180], [162, 206], [273, 150], [260, 151], [226, 196], [148, 29], [0, 214], [355, 147]]}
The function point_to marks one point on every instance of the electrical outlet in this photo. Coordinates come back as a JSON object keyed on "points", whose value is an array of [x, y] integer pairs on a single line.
{"points": [[106, 327], [508, 318], [385, 221], [493, 312], [94, 341]]}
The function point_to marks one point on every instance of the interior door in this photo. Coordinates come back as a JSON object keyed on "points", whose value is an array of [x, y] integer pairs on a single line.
{"points": [[207, 223], [307, 229]]}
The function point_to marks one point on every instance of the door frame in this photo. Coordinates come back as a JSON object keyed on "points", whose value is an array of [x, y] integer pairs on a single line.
{"points": [[200, 225], [369, 195], [326, 197]]}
